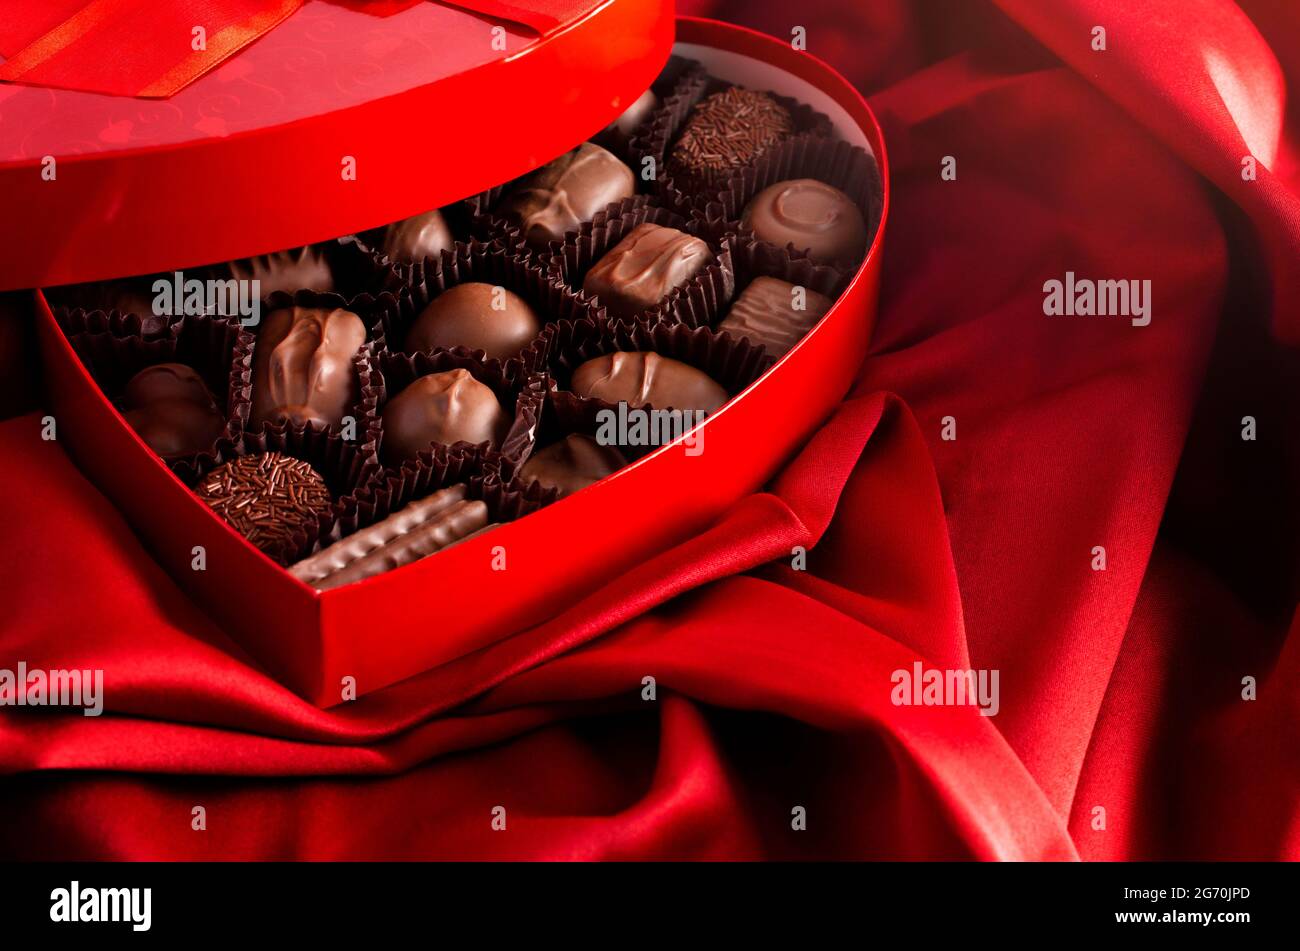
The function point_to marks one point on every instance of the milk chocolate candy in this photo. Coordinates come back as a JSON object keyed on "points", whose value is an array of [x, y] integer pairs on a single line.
{"points": [[573, 463], [302, 365], [418, 237], [423, 527], [644, 268], [289, 271], [810, 215], [561, 195], [725, 132], [768, 313], [273, 500], [172, 410], [442, 408], [647, 379], [479, 316]]}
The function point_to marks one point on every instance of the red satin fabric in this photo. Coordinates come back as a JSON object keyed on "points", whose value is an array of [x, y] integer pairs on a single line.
{"points": [[1120, 689]]}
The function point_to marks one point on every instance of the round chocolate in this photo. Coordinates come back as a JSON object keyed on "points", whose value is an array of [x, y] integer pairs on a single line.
{"points": [[442, 408], [573, 463], [418, 237], [273, 500], [810, 215], [647, 379], [564, 193], [478, 316], [727, 131], [166, 381], [172, 410]]}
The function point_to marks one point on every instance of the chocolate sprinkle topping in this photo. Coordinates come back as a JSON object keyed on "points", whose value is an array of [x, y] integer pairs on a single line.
{"points": [[271, 499], [727, 131]]}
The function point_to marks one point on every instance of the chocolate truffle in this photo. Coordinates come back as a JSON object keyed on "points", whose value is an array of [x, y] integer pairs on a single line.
{"points": [[289, 271], [418, 237], [810, 215], [619, 132], [644, 268], [766, 313], [172, 410], [273, 500], [647, 379], [573, 463], [561, 195], [479, 316], [423, 527], [442, 408], [302, 366], [725, 132]]}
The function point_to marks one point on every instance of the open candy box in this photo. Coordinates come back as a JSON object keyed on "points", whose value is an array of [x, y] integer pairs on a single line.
{"points": [[423, 437]]}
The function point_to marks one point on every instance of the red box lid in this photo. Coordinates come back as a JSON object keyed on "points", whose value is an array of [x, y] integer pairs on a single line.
{"points": [[424, 104]]}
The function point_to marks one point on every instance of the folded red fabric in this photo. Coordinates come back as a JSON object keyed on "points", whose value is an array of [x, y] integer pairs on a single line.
{"points": [[956, 525]]}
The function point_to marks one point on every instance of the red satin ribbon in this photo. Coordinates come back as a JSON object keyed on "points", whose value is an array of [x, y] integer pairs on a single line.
{"points": [[143, 48]]}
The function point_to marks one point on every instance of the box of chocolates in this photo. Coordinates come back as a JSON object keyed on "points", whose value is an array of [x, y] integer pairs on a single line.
{"points": [[445, 417]]}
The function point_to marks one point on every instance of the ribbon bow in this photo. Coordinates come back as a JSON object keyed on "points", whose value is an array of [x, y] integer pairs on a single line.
{"points": [[146, 48]]}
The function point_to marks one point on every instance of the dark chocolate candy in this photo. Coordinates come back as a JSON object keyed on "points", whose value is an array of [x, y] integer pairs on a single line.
{"points": [[423, 527], [573, 463], [767, 314], [561, 195], [130, 296], [418, 237], [620, 130], [647, 379], [479, 316], [302, 365], [644, 268], [812, 216], [442, 408], [134, 295], [289, 271], [172, 410], [273, 500], [725, 132]]}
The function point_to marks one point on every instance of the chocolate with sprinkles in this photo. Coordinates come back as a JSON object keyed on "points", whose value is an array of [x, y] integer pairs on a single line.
{"points": [[727, 131], [271, 499]]}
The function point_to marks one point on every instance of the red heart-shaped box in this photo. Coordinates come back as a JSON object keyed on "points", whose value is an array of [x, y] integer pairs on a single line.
{"points": [[397, 624]]}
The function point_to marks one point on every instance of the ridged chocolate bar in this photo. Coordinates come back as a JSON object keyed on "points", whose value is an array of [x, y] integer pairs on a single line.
{"points": [[425, 526], [765, 313]]}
